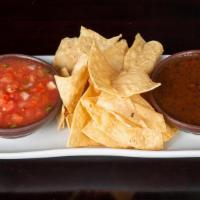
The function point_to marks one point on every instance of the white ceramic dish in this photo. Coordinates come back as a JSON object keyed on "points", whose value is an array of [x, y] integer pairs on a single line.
{"points": [[49, 142]]}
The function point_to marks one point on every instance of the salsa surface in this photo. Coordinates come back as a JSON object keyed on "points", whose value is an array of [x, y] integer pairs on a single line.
{"points": [[27, 91], [179, 94]]}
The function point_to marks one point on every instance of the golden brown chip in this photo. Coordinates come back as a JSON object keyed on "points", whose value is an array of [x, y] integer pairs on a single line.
{"points": [[107, 79], [171, 131], [87, 37], [81, 63], [72, 87], [120, 105], [136, 110], [92, 131], [152, 119], [80, 118], [140, 100], [136, 137], [61, 118], [133, 110], [133, 52], [77, 138], [133, 82], [122, 108], [115, 54], [63, 72], [69, 118], [142, 55], [101, 72], [67, 54]]}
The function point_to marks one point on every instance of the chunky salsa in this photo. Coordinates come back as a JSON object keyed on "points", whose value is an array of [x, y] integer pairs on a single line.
{"points": [[27, 91], [179, 94]]}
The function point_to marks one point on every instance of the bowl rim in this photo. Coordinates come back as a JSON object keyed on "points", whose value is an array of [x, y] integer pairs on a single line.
{"points": [[19, 130], [159, 66]]}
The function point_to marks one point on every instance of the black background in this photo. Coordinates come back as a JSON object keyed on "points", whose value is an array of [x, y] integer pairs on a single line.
{"points": [[36, 27], [99, 173]]}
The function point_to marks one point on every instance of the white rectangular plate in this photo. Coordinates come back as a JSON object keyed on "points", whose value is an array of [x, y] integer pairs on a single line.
{"points": [[49, 142]]}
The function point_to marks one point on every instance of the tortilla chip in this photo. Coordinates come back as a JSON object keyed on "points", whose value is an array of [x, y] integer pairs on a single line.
{"points": [[67, 54], [136, 137], [144, 116], [71, 88], [69, 118], [115, 54], [87, 37], [133, 82], [134, 51], [171, 131], [152, 119], [140, 100], [80, 118], [100, 71], [81, 63], [142, 55], [61, 118], [63, 72], [120, 105], [122, 108], [92, 131], [107, 79], [77, 138]]}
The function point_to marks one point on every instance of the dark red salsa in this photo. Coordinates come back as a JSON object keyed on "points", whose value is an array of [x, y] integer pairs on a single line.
{"points": [[179, 94], [27, 91]]}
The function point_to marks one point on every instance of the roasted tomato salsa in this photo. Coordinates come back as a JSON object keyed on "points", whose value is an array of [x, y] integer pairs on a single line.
{"points": [[179, 94], [27, 91]]}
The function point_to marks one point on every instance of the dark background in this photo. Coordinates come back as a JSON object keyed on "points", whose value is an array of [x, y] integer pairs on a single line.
{"points": [[36, 27]]}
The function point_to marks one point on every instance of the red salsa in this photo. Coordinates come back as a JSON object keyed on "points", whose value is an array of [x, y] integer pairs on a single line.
{"points": [[179, 94], [27, 91]]}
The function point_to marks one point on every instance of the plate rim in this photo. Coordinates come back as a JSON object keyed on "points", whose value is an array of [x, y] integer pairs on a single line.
{"points": [[84, 152]]}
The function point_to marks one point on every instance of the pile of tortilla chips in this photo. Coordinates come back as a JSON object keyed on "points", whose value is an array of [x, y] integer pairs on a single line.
{"points": [[100, 84]]}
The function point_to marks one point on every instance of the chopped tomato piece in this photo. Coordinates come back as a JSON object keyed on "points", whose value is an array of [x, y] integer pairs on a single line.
{"points": [[8, 106], [7, 78]]}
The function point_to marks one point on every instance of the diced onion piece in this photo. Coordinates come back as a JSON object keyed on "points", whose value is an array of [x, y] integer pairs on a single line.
{"points": [[24, 95], [28, 85], [9, 89], [32, 67], [51, 85]]}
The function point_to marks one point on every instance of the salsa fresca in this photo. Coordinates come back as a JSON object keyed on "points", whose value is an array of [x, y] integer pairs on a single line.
{"points": [[27, 91], [179, 94]]}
